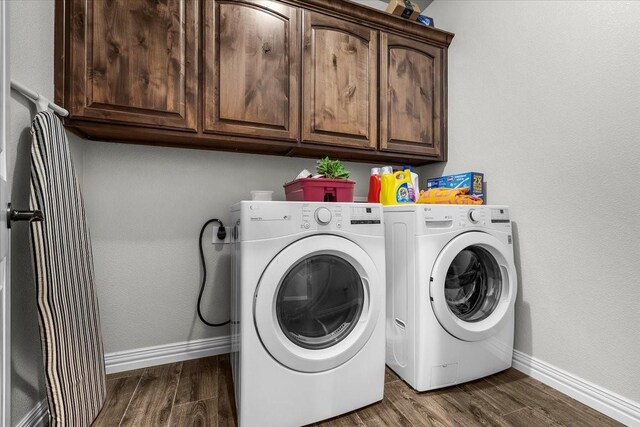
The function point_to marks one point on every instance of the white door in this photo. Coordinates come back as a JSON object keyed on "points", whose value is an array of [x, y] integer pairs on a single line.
{"points": [[317, 303], [5, 294], [473, 286]]}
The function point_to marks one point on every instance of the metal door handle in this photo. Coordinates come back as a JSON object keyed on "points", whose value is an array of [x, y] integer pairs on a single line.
{"points": [[14, 215]]}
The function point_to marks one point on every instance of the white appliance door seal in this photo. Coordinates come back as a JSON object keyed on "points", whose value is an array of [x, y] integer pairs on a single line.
{"points": [[473, 286], [317, 303]]}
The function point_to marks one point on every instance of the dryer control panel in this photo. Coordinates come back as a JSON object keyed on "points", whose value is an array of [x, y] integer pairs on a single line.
{"points": [[436, 219]]}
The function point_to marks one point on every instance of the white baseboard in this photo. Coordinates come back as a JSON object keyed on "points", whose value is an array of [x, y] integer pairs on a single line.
{"points": [[36, 417], [169, 353], [141, 358], [601, 399]]}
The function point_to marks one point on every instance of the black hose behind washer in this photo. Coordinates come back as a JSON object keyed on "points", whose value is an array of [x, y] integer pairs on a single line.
{"points": [[222, 234]]}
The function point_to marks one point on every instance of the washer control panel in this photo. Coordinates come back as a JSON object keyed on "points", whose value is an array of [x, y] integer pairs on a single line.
{"points": [[360, 215], [267, 219], [323, 216], [339, 216], [326, 215], [474, 216]]}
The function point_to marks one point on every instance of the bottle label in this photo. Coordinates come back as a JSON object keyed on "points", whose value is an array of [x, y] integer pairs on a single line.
{"points": [[405, 194]]}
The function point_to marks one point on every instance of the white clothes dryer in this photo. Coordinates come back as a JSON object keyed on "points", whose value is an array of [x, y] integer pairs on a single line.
{"points": [[307, 310], [451, 290]]}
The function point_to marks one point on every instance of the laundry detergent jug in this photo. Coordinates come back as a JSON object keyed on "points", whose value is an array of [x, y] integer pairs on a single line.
{"points": [[397, 188]]}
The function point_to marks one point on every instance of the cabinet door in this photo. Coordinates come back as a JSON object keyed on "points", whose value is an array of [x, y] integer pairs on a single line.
{"points": [[412, 92], [252, 65], [339, 82], [134, 61]]}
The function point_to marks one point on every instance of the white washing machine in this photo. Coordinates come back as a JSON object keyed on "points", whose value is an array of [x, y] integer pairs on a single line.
{"points": [[451, 290], [307, 310]]}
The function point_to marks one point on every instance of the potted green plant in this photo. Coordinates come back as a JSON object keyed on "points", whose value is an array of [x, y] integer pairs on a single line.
{"points": [[331, 169], [331, 184]]}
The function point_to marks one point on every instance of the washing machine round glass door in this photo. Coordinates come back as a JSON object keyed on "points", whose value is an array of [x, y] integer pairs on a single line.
{"points": [[317, 303], [474, 286]]}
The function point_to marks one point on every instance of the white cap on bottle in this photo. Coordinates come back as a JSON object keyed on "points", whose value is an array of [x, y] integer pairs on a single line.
{"points": [[386, 170], [375, 171]]}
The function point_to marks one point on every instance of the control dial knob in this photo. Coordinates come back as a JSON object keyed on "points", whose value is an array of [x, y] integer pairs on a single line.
{"points": [[323, 216], [474, 216]]}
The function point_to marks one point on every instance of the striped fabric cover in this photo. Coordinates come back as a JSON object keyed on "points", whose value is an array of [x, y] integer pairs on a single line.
{"points": [[67, 302]]}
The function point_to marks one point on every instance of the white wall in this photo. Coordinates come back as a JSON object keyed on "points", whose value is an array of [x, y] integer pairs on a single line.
{"points": [[544, 97], [145, 206], [31, 63]]}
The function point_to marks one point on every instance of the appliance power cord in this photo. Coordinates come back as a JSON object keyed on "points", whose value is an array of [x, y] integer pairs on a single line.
{"points": [[222, 234]]}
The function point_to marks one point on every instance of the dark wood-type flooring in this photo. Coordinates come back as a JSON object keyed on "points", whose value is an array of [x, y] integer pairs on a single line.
{"points": [[200, 393]]}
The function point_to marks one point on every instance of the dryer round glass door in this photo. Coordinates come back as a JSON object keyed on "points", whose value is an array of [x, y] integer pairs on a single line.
{"points": [[317, 303], [474, 286]]}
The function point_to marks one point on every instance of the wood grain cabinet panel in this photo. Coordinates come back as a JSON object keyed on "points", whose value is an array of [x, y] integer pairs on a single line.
{"points": [[339, 82], [303, 78], [252, 67], [134, 62], [412, 97]]}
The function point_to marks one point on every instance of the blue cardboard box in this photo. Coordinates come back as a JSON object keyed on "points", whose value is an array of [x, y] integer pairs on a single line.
{"points": [[473, 180], [425, 20]]}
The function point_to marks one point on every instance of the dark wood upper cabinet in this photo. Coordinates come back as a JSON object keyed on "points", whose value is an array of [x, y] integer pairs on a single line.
{"points": [[133, 62], [339, 97], [252, 68], [412, 97], [302, 78]]}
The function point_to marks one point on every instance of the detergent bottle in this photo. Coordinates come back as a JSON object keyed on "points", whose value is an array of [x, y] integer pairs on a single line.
{"points": [[374, 186], [397, 187], [386, 183], [415, 179]]}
